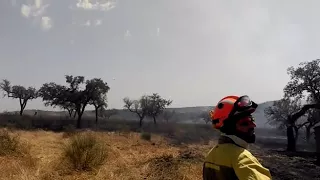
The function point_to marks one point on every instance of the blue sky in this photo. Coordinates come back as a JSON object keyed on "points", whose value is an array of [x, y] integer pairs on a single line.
{"points": [[193, 52]]}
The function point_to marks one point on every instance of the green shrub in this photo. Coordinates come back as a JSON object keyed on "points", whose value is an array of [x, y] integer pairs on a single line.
{"points": [[85, 152], [145, 136]]}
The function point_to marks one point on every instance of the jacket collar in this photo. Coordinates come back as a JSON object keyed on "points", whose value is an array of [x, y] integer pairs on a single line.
{"points": [[238, 141]]}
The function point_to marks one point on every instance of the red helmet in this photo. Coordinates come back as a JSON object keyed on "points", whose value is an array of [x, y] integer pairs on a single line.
{"points": [[231, 107]]}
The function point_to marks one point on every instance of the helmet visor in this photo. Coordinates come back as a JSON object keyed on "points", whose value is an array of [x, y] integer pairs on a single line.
{"points": [[244, 105], [244, 102]]}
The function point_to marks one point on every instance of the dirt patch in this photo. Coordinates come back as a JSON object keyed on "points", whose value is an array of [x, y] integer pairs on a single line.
{"points": [[162, 168], [190, 155], [171, 167]]}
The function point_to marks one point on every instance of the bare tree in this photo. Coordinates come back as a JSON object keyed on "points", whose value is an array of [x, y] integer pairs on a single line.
{"points": [[139, 107], [19, 92]]}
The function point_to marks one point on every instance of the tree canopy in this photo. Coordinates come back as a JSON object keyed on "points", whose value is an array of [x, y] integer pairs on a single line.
{"points": [[288, 112], [148, 105], [74, 95], [19, 92]]}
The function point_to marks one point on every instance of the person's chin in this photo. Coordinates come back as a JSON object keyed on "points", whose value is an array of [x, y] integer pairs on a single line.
{"points": [[251, 139]]}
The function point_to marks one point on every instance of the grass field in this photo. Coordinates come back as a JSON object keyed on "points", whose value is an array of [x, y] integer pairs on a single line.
{"points": [[35, 149], [129, 156]]}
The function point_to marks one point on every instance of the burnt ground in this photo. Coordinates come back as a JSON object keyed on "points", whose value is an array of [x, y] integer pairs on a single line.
{"points": [[285, 165]]}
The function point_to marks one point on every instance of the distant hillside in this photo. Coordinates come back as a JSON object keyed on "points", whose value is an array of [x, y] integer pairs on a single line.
{"points": [[181, 115]]}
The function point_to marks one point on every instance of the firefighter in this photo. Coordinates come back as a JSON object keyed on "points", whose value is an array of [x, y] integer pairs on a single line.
{"points": [[230, 158]]}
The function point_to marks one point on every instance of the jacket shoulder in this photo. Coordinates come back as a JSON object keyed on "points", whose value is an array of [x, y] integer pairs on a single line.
{"points": [[247, 166]]}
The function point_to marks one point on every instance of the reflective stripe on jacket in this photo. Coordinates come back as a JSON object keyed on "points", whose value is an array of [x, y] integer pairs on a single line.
{"points": [[230, 161]]}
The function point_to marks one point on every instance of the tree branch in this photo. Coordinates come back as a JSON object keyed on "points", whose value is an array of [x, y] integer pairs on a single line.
{"points": [[302, 111]]}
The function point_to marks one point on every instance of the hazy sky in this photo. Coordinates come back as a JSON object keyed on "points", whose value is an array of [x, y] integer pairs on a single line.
{"points": [[194, 52]]}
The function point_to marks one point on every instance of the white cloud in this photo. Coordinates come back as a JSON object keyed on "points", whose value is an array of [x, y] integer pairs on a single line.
{"points": [[102, 5], [87, 23], [25, 10], [37, 3], [36, 12], [127, 34], [46, 23], [98, 22], [158, 31]]}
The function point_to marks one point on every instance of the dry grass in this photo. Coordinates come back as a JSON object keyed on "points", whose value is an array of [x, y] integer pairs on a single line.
{"points": [[69, 131], [130, 158], [16, 160], [145, 136], [85, 151]]}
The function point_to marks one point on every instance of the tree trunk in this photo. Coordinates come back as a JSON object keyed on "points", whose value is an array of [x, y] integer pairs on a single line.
{"points": [[296, 135], [79, 121], [308, 133], [21, 111], [154, 120], [22, 105], [96, 115], [70, 112], [80, 113], [291, 146], [140, 122]]}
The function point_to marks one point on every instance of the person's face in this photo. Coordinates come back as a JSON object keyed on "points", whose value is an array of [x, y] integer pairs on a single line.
{"points": [[245, 129]]}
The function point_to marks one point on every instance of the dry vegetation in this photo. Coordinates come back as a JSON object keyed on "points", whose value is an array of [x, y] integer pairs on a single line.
{"points": [[173, 153], [124, 155], [128, 156]]}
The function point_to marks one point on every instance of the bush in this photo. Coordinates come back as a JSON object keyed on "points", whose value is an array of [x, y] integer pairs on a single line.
{"points": [[145, 136], [85, 152], [9, 144]]}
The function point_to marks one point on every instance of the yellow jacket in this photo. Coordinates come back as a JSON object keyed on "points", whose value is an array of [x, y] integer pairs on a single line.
{"points": [[230, 160]]}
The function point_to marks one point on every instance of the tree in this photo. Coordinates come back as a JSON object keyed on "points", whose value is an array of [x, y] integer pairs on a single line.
{"points": [[98, 103], [107, 113], [139, 107], [167, 115], [156, 105], [313, 118], [278, 114], [69, 107], [58, 95], [98, 90], [19, 92], [304, 82], [205, 117]]}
